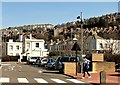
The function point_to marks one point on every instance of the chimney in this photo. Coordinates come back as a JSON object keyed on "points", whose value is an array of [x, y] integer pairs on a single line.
{"points": [[30, 36], [21, 37]]}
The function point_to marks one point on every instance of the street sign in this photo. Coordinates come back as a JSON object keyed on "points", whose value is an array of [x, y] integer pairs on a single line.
{"points": [[76, 47]]}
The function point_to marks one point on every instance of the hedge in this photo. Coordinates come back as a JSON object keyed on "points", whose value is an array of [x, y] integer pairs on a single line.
{"points": [[10, 58], [112, 58]]}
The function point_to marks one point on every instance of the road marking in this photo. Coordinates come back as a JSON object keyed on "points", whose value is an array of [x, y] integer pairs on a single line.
{"points": [[39, 71], [4, 80], [22, 80], [0, 67], [40, 80], [58, 81], [5, 64], [75, 80], [12, 68]]}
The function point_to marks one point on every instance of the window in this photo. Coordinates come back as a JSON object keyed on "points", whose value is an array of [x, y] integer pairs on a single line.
{"points": [[37, 44], [11, 54], [11, 47], [17, 54], [28, 45], [17, 47], [101, 45], [106, 45]]}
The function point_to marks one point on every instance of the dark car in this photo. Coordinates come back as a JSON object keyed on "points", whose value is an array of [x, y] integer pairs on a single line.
{"points": [[59, 64], [117, 66], [38, 61], [51, 63]]}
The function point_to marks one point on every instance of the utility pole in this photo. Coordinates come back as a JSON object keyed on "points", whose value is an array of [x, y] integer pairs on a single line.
{"points": [[81, 35], [81, 41], [81, 23]]}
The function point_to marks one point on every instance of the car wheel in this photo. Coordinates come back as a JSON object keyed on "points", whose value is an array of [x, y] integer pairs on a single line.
{"points": [[61, 71]]}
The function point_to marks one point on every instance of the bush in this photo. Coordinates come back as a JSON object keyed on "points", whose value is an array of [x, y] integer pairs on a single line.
{"points": [[10, 58], [112, 58]]}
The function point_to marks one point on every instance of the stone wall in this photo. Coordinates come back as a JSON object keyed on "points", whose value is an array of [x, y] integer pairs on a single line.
{"points": [[70, 68], [103, 66], [97, 57]]}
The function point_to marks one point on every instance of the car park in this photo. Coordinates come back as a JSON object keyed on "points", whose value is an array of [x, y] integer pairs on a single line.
{"points": [[59, 64]]}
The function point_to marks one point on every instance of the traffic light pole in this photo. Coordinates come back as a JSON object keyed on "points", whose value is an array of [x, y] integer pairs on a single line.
{"points": [[81, 42]]}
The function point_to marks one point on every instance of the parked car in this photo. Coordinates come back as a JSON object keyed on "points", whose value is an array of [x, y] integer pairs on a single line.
{"points": [[59, 64], [51, 63], [117, 66], [32, 60], [43, 62], [38, 61]]}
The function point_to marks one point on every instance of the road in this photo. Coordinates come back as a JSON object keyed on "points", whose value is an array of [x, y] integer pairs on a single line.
{"points": [[21, 73]]}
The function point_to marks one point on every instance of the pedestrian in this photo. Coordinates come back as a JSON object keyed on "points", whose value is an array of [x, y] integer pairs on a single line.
{"points": [[86, 67]]}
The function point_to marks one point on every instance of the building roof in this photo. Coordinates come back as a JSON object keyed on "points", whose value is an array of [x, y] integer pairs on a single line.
{"points": [[95, 37]]}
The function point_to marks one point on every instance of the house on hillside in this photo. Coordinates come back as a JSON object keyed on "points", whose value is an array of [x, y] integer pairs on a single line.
{"points": [[33, 48], [27, 47], [98, 44], [14, 48]]}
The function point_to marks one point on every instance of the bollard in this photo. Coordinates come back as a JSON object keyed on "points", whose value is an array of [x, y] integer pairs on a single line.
{"points": [[102, 77]]}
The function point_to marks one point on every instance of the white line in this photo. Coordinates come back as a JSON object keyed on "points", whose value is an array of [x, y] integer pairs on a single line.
{"points": [[40, 80], [58, 81], [39, 71], [4, 80], [22, 80], [5, 64], [75, 80], [0, 67]]}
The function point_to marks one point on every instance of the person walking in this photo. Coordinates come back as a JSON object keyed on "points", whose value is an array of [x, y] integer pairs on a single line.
{"points": [[86, 67]]}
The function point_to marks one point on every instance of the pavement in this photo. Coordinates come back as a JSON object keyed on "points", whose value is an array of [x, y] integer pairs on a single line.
{"points": [[112, 78]]}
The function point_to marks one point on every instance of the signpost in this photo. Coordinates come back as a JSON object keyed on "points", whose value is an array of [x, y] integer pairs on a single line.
{"points": [[76, 48]]}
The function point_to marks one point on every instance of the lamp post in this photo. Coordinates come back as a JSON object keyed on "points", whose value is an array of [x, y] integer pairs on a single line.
{"points": [[81, 23], [76, 48]]}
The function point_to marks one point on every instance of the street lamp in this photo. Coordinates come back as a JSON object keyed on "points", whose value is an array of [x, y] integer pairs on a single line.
{"points": [[81, 23], [76, 48]]}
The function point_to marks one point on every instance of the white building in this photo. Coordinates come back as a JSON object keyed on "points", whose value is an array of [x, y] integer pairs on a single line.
{"points": [[96, 43], [35, 47], [14, 48], [26, 48]]}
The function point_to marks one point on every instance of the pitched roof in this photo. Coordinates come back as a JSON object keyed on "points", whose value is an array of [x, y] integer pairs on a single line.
{"points": [[95, 37]]}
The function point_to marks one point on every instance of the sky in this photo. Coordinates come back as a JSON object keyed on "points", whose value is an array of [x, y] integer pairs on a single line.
{"points": [[26, 13]]}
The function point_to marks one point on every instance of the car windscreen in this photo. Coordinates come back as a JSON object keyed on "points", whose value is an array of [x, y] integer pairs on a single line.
{"points": [[64, 59], [73, 59], [44, 60], [51, 60], [34, 57]]}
